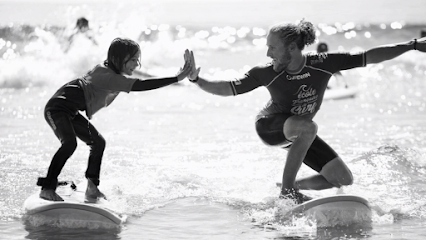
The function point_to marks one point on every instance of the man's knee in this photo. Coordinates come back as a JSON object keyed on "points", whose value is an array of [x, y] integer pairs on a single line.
{"points": [[348, 179], [296, 127], [342, 180], [337, 173]]}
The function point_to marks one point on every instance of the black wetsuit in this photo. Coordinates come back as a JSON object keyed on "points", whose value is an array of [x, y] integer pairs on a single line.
{"points": [[300, 93], [96, 89]]}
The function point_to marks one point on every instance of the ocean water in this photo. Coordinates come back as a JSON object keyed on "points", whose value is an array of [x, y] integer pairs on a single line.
{"points": [[183, 164]]}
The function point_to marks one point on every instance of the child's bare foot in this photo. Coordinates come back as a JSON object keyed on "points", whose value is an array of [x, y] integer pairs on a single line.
{"points": [[92, 193], [50, 195]]}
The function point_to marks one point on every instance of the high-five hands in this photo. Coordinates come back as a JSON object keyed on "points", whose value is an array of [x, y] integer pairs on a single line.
{"points": [[187, 68]]}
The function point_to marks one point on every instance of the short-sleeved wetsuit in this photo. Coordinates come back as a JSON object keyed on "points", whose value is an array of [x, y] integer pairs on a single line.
{"points": [[300, 93], [90, 93]]}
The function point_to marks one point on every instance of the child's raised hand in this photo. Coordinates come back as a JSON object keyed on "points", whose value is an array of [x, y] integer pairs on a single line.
{"points": [[184, 72]]}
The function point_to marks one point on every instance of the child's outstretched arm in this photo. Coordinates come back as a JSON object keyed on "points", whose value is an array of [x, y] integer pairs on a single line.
{"points": [[154, 83]]}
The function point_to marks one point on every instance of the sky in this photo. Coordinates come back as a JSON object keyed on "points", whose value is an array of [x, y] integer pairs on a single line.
{"points": [[214, 12]]}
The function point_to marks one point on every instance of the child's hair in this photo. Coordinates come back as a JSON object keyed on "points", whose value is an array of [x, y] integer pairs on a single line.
{"points": [[302, 34], [118, 51]]}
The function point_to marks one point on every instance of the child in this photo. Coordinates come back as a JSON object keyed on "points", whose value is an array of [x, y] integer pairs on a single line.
{"points": [[91, 92]]}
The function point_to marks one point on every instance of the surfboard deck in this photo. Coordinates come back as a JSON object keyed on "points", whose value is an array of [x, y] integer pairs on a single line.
{"points": [[337, 201], [73, 208], [334, 210], [342, 209]]}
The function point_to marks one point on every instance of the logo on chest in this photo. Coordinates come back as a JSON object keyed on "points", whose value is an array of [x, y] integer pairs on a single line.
{"points": [[298, 77], [306, 101]]}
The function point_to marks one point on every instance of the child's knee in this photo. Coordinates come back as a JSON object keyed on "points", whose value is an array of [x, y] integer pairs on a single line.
{"points": [[98, 143], [69, 145]]}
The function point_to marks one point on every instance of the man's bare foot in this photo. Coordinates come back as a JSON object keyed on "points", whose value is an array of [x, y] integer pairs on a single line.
{"points": [[50, 195], [291, 193], [92, 193]]}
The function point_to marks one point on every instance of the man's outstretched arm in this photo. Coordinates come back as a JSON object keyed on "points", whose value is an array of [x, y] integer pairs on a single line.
{"points": [[221, 88], [387, 52]]}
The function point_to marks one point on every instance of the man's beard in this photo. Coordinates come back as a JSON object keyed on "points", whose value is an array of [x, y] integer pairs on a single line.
{"points": [[282, 65]]}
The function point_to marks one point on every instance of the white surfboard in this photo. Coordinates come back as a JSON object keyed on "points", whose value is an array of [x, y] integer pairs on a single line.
{"points": [[340, 93], [334, 210], [72, 209]]}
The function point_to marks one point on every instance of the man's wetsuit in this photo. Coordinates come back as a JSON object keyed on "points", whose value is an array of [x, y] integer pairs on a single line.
{"points": [[300, 93], [90, 93]]}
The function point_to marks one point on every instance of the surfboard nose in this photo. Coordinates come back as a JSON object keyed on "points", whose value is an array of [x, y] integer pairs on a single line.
{"points": [[339, 210]]}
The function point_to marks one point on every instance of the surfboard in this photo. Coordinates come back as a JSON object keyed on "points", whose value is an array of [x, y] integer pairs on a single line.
{"points": [[72, 209], [340, 93], [334, 210], [342, 209]]}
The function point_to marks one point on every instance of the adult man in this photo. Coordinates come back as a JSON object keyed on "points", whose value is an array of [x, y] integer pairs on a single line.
{"points": [[297, 83]]}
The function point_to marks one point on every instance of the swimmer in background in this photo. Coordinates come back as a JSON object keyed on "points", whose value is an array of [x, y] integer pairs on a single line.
{"points": [[81, 28], [322, 47]]}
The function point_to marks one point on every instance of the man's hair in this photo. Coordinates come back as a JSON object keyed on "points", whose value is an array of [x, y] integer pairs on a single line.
{"points": [[302, 34], [118, 51]]}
